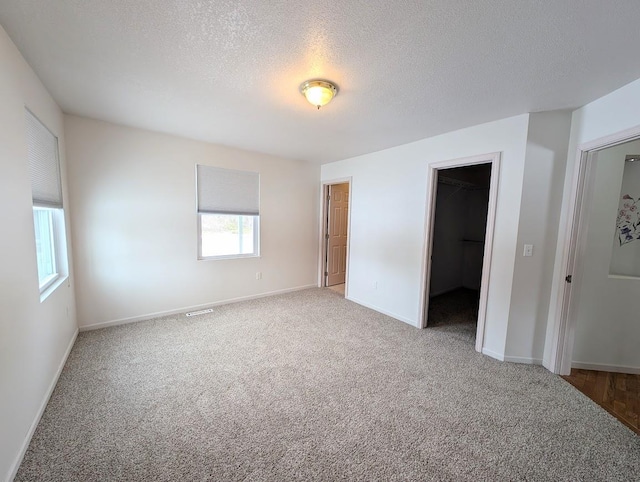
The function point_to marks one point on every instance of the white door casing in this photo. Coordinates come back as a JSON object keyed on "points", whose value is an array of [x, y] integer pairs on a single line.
{"points": [[607, 333], [563, 322], [432, 180]]}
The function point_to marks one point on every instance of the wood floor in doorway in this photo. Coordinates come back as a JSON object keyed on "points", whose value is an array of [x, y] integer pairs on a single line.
{"points": [[338, 288], [617, 393]]}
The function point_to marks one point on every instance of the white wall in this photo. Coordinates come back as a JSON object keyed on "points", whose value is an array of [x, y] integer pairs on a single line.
{"points": [[541, 199], [611, 114], [34, 336], [607, 333], [389, 193], [135, 227]]}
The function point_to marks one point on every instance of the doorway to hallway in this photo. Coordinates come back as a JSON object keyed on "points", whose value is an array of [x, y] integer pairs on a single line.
{"points": [[336, 236]]}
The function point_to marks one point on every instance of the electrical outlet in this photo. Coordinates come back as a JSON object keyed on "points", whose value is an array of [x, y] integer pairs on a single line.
{"points": [[375, 285], [259, 275], [528, 250]]}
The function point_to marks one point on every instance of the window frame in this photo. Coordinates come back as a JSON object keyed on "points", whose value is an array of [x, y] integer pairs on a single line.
{"points": [[58, 241], [50, 201], [222, 191], [256, 238], [50, 279]]}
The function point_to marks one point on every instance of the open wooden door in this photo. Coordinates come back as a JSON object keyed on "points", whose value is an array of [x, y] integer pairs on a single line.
{"points": [[337, 234]]}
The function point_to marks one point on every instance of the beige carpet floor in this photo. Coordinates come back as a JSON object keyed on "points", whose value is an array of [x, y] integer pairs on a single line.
{"points": [[309, 386], [459, 306]]}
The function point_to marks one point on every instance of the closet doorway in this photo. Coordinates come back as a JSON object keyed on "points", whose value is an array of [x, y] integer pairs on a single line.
{"points": [[461, 216]]}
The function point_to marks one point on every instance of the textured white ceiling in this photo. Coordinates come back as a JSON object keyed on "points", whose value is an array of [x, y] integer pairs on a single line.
{"points": [[228, 71]]}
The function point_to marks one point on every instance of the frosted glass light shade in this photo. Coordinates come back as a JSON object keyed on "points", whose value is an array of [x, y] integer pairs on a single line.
{"points": [[318, 92]]}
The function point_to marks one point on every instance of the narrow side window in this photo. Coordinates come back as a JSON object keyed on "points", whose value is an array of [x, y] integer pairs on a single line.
{"points": [[48, 214]]}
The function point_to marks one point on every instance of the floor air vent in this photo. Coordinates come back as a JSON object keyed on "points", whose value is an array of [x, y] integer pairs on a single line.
{"points": [[201, 312]]}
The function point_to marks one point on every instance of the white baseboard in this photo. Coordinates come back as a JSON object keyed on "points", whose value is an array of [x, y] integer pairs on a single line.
{"points": [[493, 354], [606, 368], [384, 312], [511, 359], [523, 360], [43, 405], [134, 319]]}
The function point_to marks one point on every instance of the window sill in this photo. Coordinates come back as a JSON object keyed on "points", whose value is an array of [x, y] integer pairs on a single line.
{"points": [[229, 256], [52, 287]]}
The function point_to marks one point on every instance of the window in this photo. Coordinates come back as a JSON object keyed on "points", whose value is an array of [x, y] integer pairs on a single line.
{"points": [[48, 216], [228, 212], [227, 235], [45, 246]]}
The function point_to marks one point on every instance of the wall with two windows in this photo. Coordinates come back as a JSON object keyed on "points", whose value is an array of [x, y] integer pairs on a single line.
{"points": [[138, 237], [37, 326]]}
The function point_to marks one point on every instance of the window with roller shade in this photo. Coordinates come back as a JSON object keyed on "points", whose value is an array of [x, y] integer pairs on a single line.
{"points": [[228, 206], [48, 214]]}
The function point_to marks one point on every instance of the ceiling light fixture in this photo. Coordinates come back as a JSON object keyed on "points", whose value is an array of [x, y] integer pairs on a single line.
{"points": [[318, 92]]}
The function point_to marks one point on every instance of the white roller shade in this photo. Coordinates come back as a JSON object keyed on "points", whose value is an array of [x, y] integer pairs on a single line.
{"points": [[227, 191], [42, 151]]}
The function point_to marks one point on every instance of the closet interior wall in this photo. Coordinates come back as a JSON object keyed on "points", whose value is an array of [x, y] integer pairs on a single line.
{"points": [[459, 231]]}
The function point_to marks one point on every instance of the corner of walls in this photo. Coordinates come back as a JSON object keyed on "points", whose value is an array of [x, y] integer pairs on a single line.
{"points": [[135, 229], [35, 336], [389, 196], [543, 182]]}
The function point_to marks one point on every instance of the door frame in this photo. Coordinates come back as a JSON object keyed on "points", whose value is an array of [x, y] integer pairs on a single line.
{"points": [[432, 185], [575, 226], [322, 245]]}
